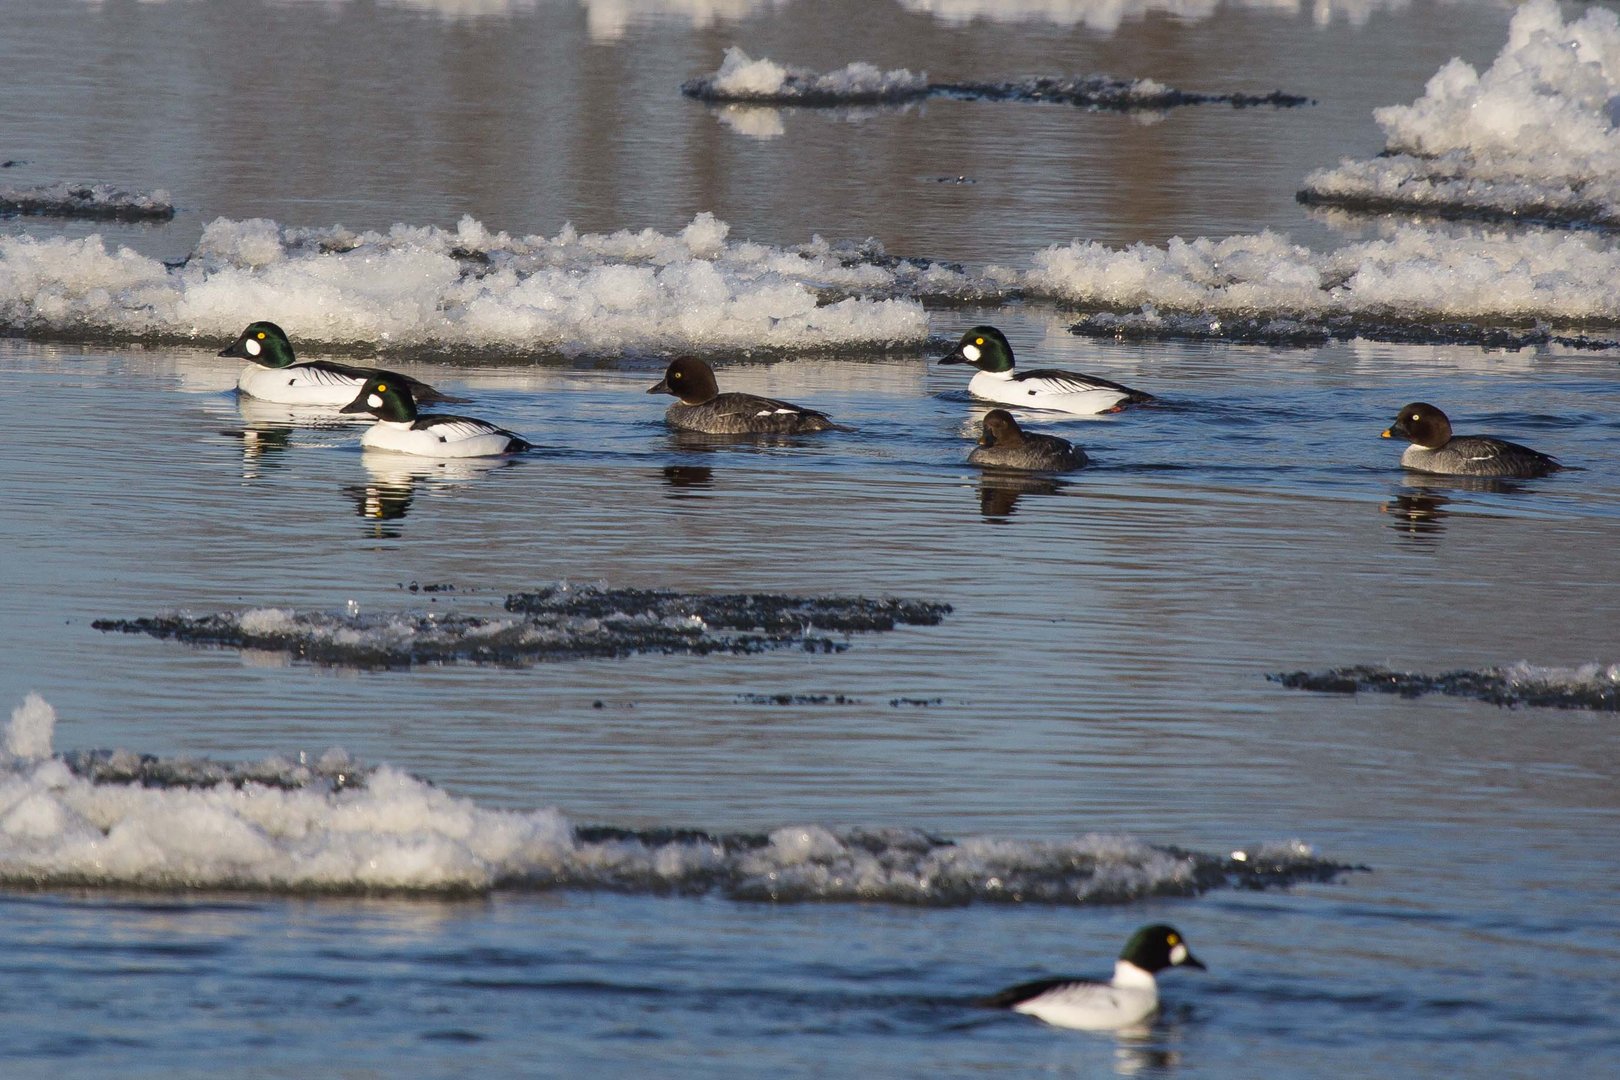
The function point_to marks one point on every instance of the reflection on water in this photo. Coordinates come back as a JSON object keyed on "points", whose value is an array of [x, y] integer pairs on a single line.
{"points": [[688, 481], [393, 481], [1419, 507], [999, 492], [1418, 516], [760, 122]]}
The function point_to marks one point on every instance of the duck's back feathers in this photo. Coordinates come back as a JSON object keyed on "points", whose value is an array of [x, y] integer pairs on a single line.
{"points": [[1076, 1003], [743, 414], [1037, 453], [1014, 996], [1056, 381], [1005, 445], [1480, 455], [322, 382], [444, 435]]}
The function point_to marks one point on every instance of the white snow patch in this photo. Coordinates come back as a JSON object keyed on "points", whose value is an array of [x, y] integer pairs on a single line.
{"points": [[743, 79], [467, 287], [1535, 134], [1413, 273], [28, 736]]}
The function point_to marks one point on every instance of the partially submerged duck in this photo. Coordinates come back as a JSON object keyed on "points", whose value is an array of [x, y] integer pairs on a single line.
{"points": [[1005, 445]]}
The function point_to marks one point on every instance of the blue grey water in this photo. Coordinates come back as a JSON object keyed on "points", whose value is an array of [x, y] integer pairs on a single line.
{"points": [[1103, 670]]}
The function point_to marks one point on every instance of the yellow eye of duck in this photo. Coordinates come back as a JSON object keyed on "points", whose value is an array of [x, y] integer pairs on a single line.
{"points": [[1173, 940], [382, 388], [978, 341], [261, 335]]}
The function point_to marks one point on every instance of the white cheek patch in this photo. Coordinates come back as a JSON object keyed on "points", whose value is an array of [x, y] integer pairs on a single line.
{"points": [[972, 353], [1178, 954], [253, 348], [374, 401]]}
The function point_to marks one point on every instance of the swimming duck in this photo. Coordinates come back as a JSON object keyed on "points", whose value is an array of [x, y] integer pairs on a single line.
{"points": [[702, 407], [1435, 449], [1128, 999], [1005, 445], [402, 429], [986, 348], [273, 375]]}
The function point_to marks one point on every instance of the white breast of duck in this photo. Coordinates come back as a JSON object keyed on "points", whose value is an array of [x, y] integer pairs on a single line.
{"points": [[1061, 391], [313, 383], [1129, 999], [442, 436]]}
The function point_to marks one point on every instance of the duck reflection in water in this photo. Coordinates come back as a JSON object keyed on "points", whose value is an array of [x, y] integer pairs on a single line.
{"points": [[267, 430], [687, 481], [394, 480], [1418, 510], [999, 492]]}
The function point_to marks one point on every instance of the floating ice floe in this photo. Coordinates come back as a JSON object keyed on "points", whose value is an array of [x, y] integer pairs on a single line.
{"points": [[64, 199], [120, 821], [469, 289], [554, 623], [1533, 138], [1106, 16], [1414, 275], [1590, 686], [742, 80]]}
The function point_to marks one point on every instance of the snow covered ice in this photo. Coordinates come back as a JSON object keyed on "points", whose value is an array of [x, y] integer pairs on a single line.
{"points": [[119, 821], [466, 288], [1533, 137]]}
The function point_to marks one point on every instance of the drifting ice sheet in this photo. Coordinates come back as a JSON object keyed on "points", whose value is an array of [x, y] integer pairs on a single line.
{"points": [[1534, 137], [64, 199], [469, 289], [1591, 686], [741, 80], [292, 828]]}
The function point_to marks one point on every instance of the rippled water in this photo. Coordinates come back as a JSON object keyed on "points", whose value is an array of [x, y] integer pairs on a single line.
{"points": [[1102, 671]]}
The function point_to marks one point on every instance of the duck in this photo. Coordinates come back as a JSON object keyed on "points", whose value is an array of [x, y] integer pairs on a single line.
{"points": [[274, 375], [402, 429], [987, 349], [1435, 449], [702, 407], [1005, 445], [1130, 998]]}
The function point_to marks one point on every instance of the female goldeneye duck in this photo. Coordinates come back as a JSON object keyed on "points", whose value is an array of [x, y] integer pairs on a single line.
{"points": [[402, 429], [1005, 445], [702, 407], [986, 348], [274, 376], [1128, 999], [1435, 449]]}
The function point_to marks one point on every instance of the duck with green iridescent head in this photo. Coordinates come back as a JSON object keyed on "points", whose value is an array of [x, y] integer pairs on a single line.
{"points": [[1129, 999], [404, 430], [275, 374], [999, 380]]}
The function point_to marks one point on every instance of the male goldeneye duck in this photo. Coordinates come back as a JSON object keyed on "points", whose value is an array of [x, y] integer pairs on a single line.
{"points": [[1005, 445], [986, 348], [402, 429], [1435, 449], [702, 407], [274, 376], [1128, 999]]}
